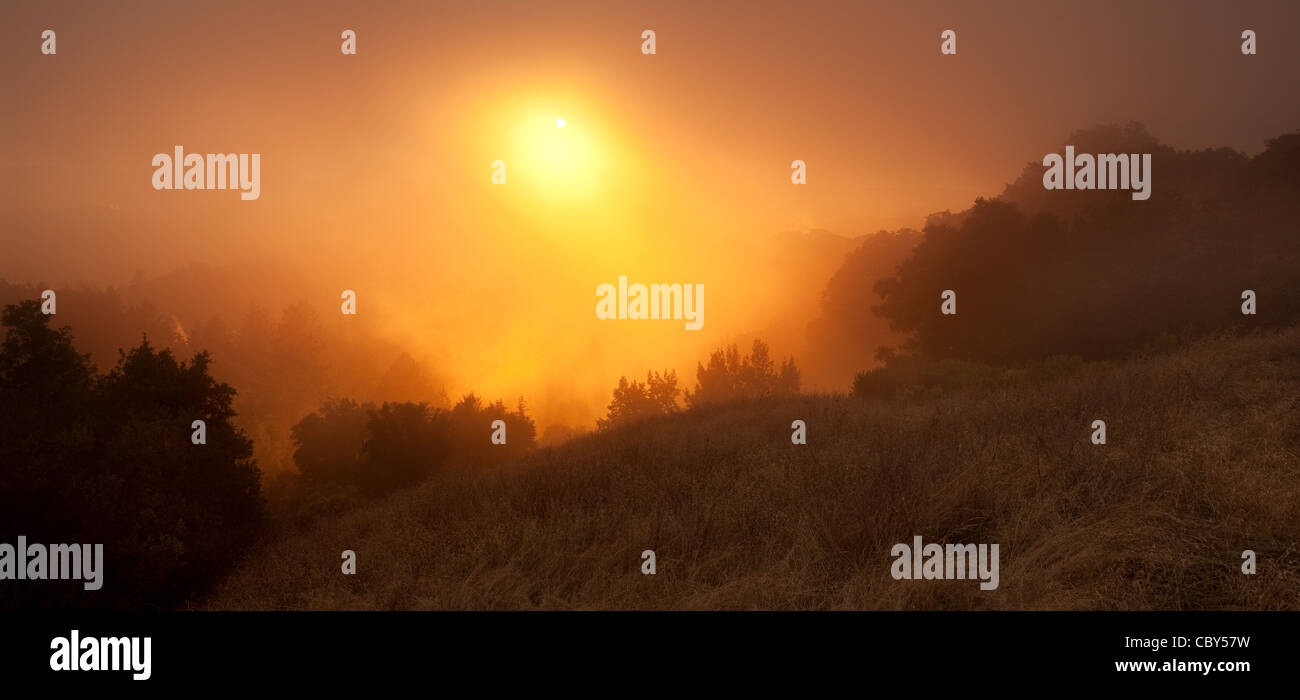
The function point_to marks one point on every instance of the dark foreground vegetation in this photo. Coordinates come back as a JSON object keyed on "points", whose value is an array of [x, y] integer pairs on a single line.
{"points": [[1201, 464], [108, 458]]}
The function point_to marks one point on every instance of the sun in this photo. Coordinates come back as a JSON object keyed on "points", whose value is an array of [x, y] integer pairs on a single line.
{"points": [[562, 163]]}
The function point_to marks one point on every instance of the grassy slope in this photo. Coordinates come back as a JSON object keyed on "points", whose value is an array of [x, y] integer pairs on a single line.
{"points": [[1201, 464]]}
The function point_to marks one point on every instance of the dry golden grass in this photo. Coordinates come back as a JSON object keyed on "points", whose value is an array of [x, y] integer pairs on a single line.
{"points": [[1201, 464]]}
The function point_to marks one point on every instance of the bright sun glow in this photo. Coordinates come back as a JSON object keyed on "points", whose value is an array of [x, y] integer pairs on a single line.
{"points": [[563, 163]]}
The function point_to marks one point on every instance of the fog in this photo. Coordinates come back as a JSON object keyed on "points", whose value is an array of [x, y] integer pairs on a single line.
{"points": [[376, 169]]}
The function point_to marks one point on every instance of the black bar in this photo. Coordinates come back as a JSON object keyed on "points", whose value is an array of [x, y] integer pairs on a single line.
{"points": [[970, 649]]}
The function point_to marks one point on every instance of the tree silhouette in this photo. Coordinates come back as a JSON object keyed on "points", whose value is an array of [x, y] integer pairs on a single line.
{"points": [[399, 444], [634, 401], [846, 335], [109, 459], [730, 375], [329, 442], [1095, 274]]}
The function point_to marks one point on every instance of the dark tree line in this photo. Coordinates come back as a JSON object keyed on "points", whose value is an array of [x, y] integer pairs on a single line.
{"points": [[728, 376], [1091, 274], [89, 458], [285, 362], [108, 458], [374, 450]]}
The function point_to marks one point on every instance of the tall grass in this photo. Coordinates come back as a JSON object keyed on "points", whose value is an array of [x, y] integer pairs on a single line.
{"points": [[1201, 464]]}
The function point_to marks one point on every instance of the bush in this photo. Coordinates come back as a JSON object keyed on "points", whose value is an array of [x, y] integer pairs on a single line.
{"points": [[379, 450]]}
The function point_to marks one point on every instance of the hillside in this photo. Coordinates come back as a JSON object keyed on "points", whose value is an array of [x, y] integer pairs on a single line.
{"points": [[1201, 464]]}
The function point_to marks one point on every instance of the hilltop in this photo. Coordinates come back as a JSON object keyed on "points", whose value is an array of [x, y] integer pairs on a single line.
{"points": [[1201, 464]]}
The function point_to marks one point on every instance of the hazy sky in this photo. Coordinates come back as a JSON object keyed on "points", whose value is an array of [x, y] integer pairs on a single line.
{"points": [[375, 171]]}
